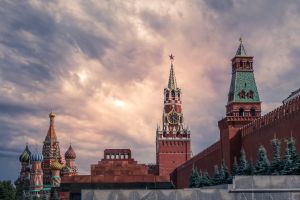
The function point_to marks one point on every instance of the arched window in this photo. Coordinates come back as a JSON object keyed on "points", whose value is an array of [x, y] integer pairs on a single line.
{"points": [[241, 64], [242, 94], [248, 65], [241, 112], [253, 112], [173, 94], [250, 94], [167, 95]]}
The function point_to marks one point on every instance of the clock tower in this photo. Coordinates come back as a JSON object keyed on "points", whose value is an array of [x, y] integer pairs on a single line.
{"points": [[173, 142]]}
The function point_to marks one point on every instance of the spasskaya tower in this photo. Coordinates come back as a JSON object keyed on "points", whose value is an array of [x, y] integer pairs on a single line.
{"points": [[173, 141]]}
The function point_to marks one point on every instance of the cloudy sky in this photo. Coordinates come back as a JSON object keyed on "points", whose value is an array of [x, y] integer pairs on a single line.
{"points": [[101, 66]]}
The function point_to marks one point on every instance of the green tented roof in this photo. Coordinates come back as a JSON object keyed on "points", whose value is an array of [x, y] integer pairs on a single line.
{"points": [[243, 80]]}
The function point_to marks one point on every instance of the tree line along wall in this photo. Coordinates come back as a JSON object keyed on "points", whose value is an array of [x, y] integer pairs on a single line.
{"points": [[211, 156], [282, 123]]}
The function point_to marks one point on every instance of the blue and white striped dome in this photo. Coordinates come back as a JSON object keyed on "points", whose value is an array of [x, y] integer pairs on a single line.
{"points": [[36, 157]]}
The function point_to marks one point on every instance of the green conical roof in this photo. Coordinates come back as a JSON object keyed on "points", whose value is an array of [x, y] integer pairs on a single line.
{"points": [[241, 51]]}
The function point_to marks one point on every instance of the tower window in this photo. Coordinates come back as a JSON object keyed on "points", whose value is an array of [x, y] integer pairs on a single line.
{"points": [[241, 112], [250, 94], [173, 94], [242, 94], [253, 112]]}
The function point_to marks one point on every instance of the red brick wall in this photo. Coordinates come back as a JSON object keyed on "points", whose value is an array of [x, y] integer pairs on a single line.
{"points": [[172, 154], [205, 160], [282, 122]]}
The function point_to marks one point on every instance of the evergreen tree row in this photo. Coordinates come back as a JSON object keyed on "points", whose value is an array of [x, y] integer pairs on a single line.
{"points": [[288, 165]]}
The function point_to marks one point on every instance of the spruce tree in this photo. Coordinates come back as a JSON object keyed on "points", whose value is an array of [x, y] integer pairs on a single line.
{"points": [[294, 156], [235, 167], [275, 167], [206, 179], [250, 169], [217, 176], [287, 163], [194, 178], [200, 180], [262, 166], [226, 175], [243, 166]]}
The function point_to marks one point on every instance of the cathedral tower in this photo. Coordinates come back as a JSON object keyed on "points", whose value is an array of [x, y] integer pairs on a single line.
{"points": [[173, 142], [51, 151], [243, 105]]}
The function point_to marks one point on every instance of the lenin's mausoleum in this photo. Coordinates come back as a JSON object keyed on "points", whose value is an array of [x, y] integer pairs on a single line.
{"points": [[51, 173]]}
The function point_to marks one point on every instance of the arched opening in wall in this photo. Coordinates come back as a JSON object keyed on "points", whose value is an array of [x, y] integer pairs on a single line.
{"points": [[242, 94], [250, 94], [167, 95], [241, 112], [173, 94], [178, 96], [248, 65], [241, 64], [253, 112]]}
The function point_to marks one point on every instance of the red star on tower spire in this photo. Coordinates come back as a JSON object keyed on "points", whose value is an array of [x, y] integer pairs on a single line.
{"points": [[171, 57]]}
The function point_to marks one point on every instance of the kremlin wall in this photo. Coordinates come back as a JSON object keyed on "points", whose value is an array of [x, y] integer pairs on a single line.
{"points": [[241, 127]]}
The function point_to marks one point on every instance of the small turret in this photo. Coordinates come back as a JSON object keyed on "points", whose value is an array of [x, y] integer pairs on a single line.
{"points": [[70, 168], [36, 174]]}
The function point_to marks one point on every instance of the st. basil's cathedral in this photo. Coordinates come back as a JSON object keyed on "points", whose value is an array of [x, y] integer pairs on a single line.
{"points": [[53, 175], [41, 173]]}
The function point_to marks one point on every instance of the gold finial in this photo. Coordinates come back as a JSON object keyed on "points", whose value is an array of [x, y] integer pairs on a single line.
{"points": [[51, 114], [171, 57]]}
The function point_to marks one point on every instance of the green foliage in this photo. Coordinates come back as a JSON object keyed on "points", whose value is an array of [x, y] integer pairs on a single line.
{"points": [[250, 169], [276, 164], [194, 178], [235, 167], [7, 190], [262, 166], [205, 179], [287, 163], [243, 166], [217, 176]]}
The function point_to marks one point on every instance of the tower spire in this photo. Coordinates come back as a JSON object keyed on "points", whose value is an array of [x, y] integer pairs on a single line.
{"points": [[172, 79], [241, 49], [51, 132]]}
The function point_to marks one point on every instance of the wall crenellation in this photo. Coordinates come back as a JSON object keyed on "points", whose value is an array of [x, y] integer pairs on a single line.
{"points": [[276, 115]]}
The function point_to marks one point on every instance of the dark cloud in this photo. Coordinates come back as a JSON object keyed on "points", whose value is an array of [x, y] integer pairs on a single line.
{"points": [[220, 6], [82, 59]]}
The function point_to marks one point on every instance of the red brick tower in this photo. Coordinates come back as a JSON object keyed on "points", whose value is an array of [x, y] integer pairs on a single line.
{"points": [[173, 142], [243, 104]]}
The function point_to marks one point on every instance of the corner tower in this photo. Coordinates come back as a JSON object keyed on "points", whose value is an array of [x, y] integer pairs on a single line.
{"points": [[243, 105], [173, 142]]}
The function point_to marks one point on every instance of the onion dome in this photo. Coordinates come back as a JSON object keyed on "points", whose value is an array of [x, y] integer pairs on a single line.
{"points": [[36, 157], [70, 154], [25, 156], [56, 165]]}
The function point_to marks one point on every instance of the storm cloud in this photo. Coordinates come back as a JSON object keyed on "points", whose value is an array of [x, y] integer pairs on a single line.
{"points": [[101, 66]]}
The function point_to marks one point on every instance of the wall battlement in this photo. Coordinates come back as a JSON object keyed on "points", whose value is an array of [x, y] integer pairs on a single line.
{"points": [[280, 113]]}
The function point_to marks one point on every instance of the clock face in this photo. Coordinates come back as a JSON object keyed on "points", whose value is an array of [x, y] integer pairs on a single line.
{"points": [[173, 118]]}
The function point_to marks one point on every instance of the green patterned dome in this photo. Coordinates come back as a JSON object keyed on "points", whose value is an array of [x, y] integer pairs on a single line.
{"points": [[25, 156], [56, 165]]}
